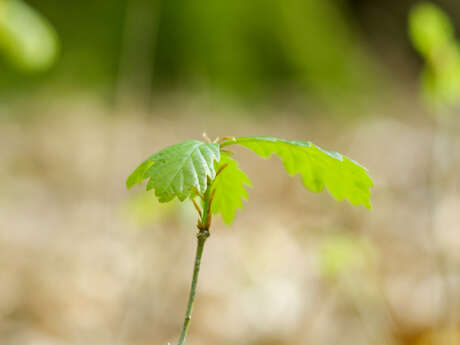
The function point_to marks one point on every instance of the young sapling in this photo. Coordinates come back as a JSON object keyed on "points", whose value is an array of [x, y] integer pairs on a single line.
{"points": [[207, 174]]}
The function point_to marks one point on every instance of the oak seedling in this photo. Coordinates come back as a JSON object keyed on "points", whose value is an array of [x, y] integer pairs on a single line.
{"points": [[208, 175]]}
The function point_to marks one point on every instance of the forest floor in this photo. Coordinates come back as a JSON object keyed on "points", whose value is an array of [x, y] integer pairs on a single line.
{"points": [[85, 261]]}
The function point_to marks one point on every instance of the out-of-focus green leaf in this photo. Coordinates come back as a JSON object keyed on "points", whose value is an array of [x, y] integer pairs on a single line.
{"points": [[432, 35], [27, 39], [178, 170], [229, 188], [430, 29], [343, 177]]}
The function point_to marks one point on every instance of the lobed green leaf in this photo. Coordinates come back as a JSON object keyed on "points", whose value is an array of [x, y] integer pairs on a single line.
{"points": [[229, 188], [178, 170], [343, 177]]}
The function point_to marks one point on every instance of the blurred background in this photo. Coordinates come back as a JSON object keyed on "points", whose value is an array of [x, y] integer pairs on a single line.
{"points": [[88, 89]]}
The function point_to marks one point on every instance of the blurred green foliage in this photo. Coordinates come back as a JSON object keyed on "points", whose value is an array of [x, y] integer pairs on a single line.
{"points": [[27, 40], [239, 48], [257, 46], [433, 36], [431, 30]]}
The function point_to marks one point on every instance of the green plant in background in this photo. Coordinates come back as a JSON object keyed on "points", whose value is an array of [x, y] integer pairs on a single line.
{"points": [[27, 40], [433, 36], [207, 174], [242, 50]]}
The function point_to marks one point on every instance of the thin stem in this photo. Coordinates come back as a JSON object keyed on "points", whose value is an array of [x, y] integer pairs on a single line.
{"points": [[202, 236]]}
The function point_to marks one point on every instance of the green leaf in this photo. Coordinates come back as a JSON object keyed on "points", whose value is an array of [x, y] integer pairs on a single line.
{"points": [[178, 170], [432, 35], [27, 39], [229, 188], [343, 177], [430, 29]]}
